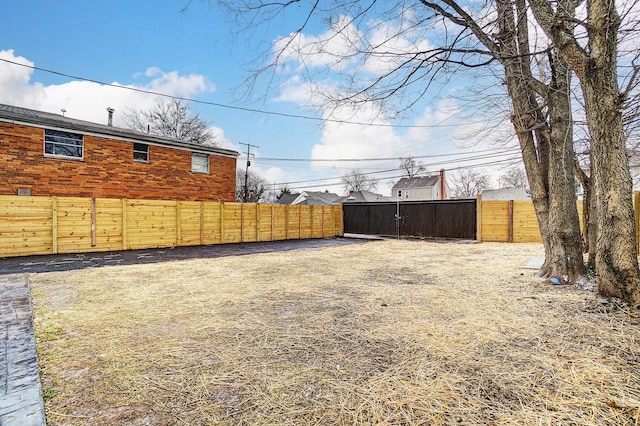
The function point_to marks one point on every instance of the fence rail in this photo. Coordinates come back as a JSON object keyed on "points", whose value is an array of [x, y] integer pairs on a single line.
{"points": [[50, 225]]}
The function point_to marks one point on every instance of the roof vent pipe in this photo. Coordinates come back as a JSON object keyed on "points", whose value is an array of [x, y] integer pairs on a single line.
{"points": [[110, 119]]}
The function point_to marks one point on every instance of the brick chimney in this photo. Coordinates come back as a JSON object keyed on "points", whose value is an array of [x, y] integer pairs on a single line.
{"points": [[443, 186]]}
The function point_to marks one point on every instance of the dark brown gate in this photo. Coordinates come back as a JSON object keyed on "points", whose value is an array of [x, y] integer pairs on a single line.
{"points": [[455, 219]]}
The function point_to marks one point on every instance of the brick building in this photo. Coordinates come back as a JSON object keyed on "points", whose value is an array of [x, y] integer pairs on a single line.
{"points": [[52, 155]]}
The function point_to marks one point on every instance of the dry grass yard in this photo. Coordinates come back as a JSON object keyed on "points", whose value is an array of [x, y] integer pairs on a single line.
{"points": [[388, 332]]}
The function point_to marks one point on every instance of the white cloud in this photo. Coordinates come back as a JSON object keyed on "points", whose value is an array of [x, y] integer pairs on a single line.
{"points": [[221, 140], [328, 49], [87, 100]]}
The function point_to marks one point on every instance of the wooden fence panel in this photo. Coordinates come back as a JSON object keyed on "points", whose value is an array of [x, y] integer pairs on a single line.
{"points": [[26, 225], [151, 224], [293, 221], [108, 226], [46, 225], [511, 221], [249, 223], [338, 227], [212, 216], [525, 223], [232, 223], [265, 222], [74, 224], [280, 222], [495, 221], [306, 221], [190, 216]]}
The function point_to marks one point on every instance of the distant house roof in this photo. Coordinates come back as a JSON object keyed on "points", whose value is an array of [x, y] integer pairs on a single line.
{"points": [[18, 115], [288, 198], [417, 182], [365, 197], [311, 198], [505, 194]]}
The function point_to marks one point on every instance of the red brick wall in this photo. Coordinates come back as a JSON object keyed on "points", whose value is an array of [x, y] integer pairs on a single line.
{"points": [[108, 170]]}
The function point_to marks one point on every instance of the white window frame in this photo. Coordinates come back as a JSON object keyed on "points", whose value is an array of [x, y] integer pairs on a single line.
{"points": [[57, 138], [200, 163], [140, 152], [399, 193]]}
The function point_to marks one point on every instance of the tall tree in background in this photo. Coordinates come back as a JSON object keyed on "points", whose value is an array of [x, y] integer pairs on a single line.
{"points": [[172, 119], [469, 182], [355, 181], [515, 177], [256, 186], [412, 167]]}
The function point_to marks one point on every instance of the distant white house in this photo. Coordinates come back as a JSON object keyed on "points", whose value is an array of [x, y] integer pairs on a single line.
{"points": [[421, 188]]}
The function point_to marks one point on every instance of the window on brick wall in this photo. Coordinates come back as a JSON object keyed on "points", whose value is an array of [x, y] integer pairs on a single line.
{"points": [[63, 144], [200, 163], [141, 152]]}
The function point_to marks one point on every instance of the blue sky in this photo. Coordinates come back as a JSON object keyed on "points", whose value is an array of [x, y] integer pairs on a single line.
{"points": [[197, 54]]}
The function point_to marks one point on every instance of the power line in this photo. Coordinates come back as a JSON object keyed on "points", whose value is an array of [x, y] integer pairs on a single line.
{"points": [[337, 160], [338, 181], [491, 163], [227, 106]]}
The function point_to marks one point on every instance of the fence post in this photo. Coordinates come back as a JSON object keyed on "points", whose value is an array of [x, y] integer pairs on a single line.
{"points": [[286, 221], [125, 246], [257, 222], [273, 218], [178, 222], [201, 223], [54, 225], [242, 222], [479, 218], [93, 221], [510, 221], [221, 222]]}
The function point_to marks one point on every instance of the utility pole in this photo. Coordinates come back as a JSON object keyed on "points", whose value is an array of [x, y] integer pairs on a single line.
{"points": [[245, 191]]}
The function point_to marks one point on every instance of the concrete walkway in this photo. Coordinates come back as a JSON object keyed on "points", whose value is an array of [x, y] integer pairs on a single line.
{"points": [[20, 391]]}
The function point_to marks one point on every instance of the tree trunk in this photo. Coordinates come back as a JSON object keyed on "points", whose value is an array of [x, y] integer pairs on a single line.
{"points": [[567, 262], [589, 217], [616, 253], [549, 164]]}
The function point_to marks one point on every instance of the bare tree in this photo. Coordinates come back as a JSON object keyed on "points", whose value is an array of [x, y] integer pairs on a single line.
{"points": [[412, 167], [515, 177], [355, 181], [469, 182], [172, 119], [256, 186]]}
